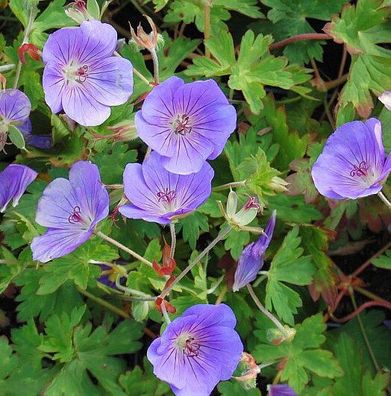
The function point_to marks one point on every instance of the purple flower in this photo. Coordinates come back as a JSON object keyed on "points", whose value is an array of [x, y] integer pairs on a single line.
{"points": [[197, 350], [353, 163], [158, 195], [70, 210], [81, 76], [280, 390], [15, 109], [251, 259], [14, 180], [39, 141], [186, 123]]}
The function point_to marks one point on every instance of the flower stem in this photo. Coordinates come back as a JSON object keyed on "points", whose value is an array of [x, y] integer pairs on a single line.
{"points": [[222, 234], [155, 61], [384, 199], [140, 76], [5, 68], [266, 312], [207, 5], [165, 314], [364, 334], [221, 296], [300, 37], [173, 239], [123, 247], [142, 296], [226, 186], [104, 303], [25, 40]]}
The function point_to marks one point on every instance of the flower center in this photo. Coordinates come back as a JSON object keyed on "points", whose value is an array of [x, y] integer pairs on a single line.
{"points": [[181, 124], [76, 72], [75, 216], [360, 170], [188, 345], [166, 196]]}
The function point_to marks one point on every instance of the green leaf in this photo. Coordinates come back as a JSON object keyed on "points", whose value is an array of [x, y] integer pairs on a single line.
{"points": [[143, 383], [383, 261], [192, 226], [233, 388], [235, 242], [253, 69], [75, 267], [291, 18], [302, 357], [363, 27], [290, 266], [16, 137]]}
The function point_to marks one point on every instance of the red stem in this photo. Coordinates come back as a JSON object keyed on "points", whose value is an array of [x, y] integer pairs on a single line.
{"points": [[300, 37], [361, 308]]}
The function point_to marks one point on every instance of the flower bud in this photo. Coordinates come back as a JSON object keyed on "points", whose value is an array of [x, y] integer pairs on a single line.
{"points": [[276, 336], [144, 40], [278, 185], [245, 215], [30, 49], [77, 11], [123, 131], [249, 371]]}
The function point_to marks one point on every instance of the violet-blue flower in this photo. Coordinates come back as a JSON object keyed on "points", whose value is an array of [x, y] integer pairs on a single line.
{"points": [[158, 195], [14, 180], [197, 350], [39, 141], [251, 259], [70, 210], [15, 109], [280, 390], [82, 76], [186, 123], [353, 163]]}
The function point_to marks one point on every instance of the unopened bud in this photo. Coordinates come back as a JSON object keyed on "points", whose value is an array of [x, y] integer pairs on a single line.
{"points": [[29, 49], [124, 131], [277, 336], [77, 11], [144, 40], [278, 185]]}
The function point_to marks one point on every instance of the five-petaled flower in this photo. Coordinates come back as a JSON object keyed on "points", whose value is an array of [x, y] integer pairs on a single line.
{"points": [[14, 180], [158, 195], [251, 259], [197, 350], [15, 109], [70, 210], [186, 123], [353, 163], [81, 75]]}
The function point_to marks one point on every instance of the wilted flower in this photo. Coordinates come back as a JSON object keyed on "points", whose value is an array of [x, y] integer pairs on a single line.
{"points": [[70, 210], [251, 259], [280, 390], [81, 75], [353, 163], [197, 350], [385, 98], [15, 109], [77, 10], [14, 180], [158, 195], [31, 49], [186, 123]]}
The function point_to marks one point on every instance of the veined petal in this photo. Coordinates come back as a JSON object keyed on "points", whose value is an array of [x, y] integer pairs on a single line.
{"points": [[15, 106], [54, 85], [133, 212], [57, 243], [14, 180]]}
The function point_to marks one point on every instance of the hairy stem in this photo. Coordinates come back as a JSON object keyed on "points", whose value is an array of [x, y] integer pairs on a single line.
{"points": [[266, 312], [173, 240], [123, 247], [140, 295], [226, 186], [140, 76], [222, 234], [300, 37], [207, 5], [155, 61], [384, 199]]}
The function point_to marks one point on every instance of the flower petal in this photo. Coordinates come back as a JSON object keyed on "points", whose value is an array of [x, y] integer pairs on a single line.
{"points": [[57, 243], [54, 84], [133, 212], [15, 106], [14, 180]]}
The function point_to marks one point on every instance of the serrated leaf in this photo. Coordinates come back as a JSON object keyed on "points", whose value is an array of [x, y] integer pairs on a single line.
{"points": [[290, 266], [235, 242], [192, 226], [302, 356]]}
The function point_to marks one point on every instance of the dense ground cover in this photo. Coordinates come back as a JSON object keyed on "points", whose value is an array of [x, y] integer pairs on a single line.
{"points": [[196, 205]]}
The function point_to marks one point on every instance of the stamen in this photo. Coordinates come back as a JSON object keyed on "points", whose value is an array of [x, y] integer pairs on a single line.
{"points": [[82, 73], [181, 124], [191, 348], [251, 203], [360, 170], [75, 216], [166, 195]]}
